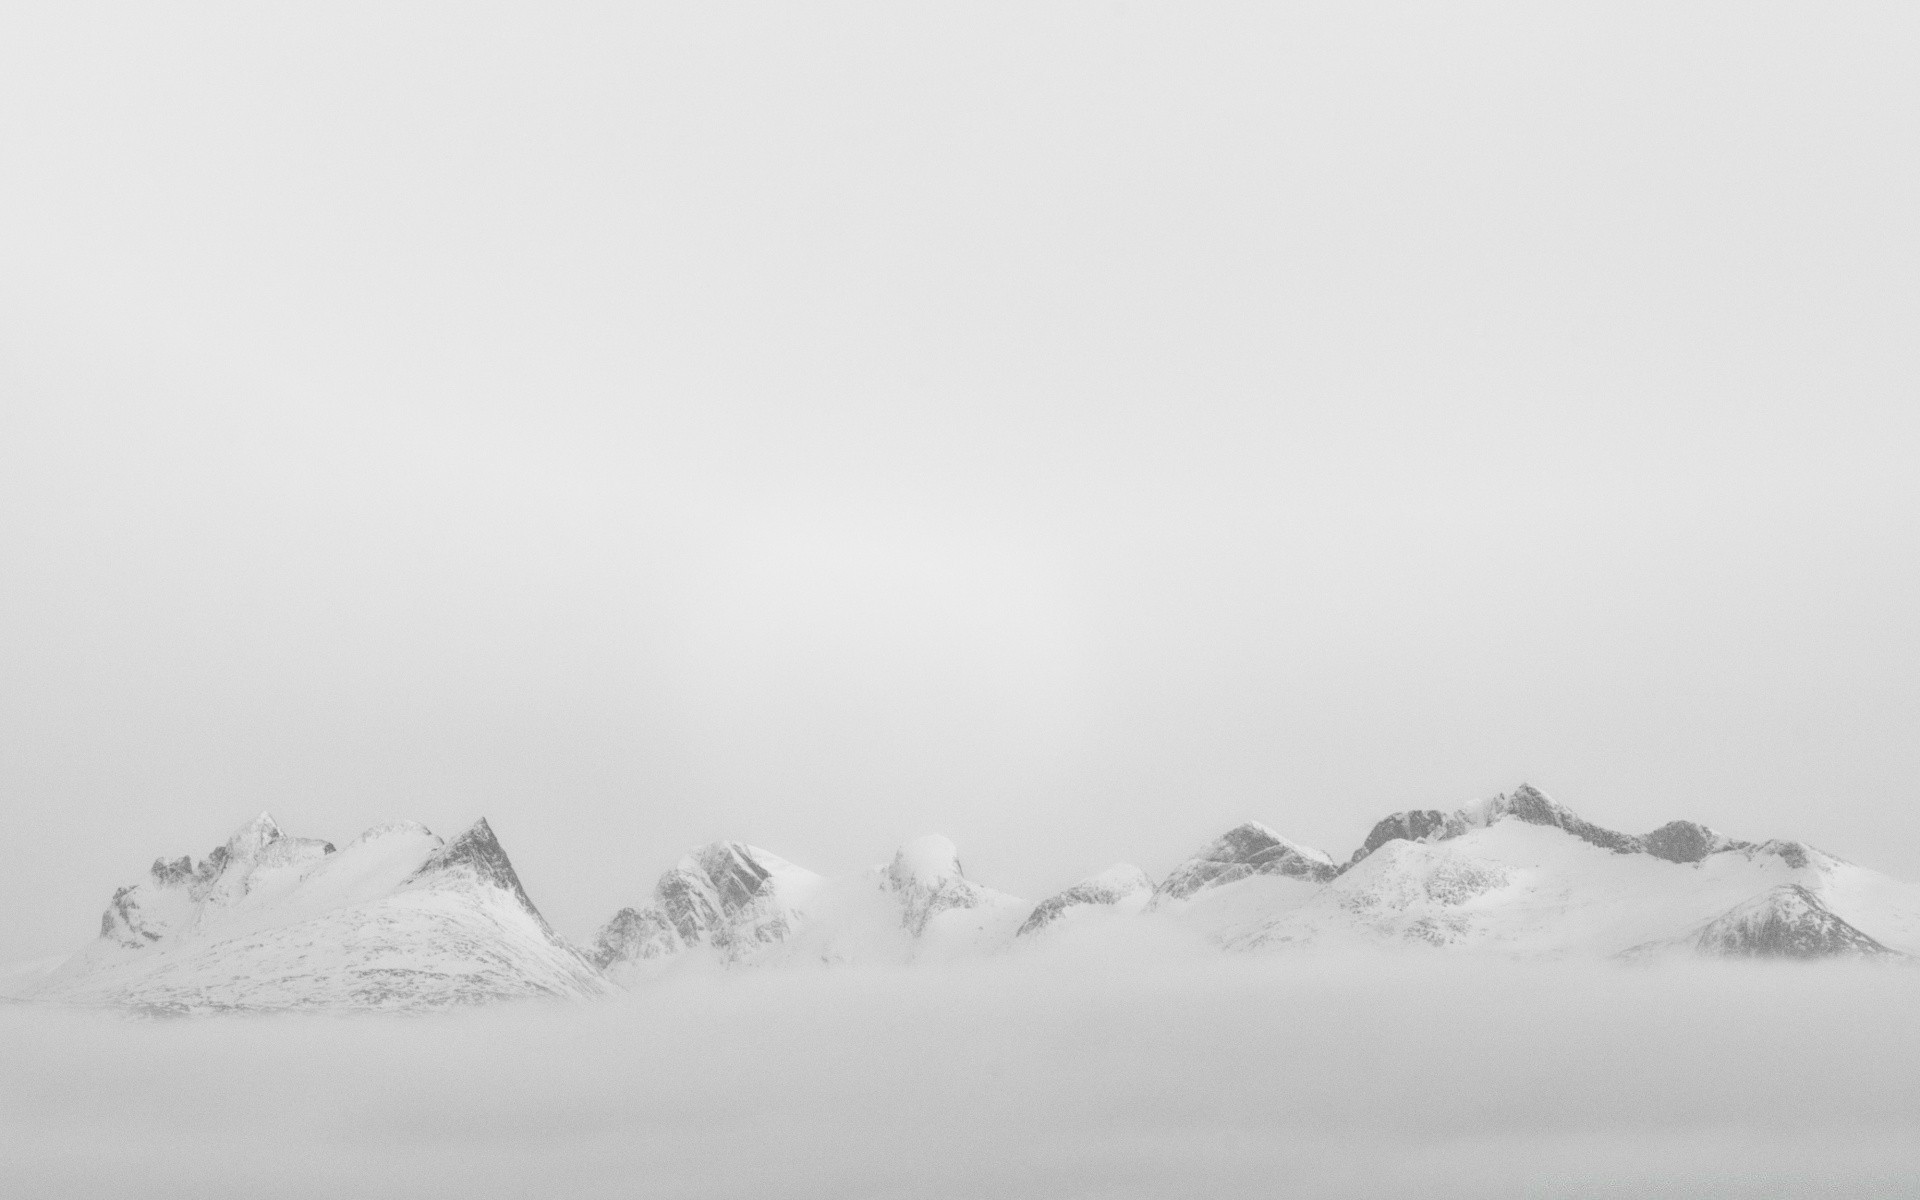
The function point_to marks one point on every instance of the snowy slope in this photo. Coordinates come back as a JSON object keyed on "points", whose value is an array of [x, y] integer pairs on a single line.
{"points": [[1120, 888], [1522, 875], [738, 904], [397, 920], [730, 897], [1786, 922]]}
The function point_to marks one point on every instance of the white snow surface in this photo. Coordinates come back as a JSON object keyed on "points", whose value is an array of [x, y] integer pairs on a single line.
{"points": [[751, 907], [400, 919], [1538, 891], [397, 920]]}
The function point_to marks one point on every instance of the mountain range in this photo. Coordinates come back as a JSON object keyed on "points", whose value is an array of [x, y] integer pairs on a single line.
{"points": [[402, 920]]}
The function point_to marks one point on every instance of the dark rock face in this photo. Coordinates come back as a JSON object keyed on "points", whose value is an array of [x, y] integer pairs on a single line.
{"points": [[478, 851], [1794, 854], [720, 895], [1249, 849], [1676, 841], [1787, 922], [1109, 887], [1530, 805], [169, 874], [736, 875], [1687, 842], [1412, 826]]}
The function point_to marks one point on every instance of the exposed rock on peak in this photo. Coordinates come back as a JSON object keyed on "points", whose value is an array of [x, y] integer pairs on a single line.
{"points": [[1530, 804], [1676, 841], [1119, 884], [398, 920], [1247, 849], [1414, 825], [253, 837], [925, 877], [727, 895], [1687, 842], [172, 874], [1788, 921], [478, 851]]}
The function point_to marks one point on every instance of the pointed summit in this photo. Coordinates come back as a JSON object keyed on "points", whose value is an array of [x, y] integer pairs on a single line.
{"points": [[1788, 921], [926, 878], [1247, 849], [730, 896], [253, 837], [478, 852]]}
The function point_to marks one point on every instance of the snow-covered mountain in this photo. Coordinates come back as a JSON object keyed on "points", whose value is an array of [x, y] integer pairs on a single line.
{"points": [[1122, 887], [727, 896], [1520, 874], [398, 919], [1787, 922], [741, 904]]}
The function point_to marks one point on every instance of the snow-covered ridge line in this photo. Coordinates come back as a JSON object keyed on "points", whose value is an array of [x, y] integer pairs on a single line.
{"points": [[1676, 841], [400, 919]]}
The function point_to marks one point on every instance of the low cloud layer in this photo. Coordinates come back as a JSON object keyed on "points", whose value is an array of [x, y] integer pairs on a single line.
{"points": [[1076, 1074]]}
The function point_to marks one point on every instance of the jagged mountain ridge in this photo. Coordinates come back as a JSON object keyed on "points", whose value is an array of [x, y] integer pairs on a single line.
{"points": [[1521, 874], [1516, 873], [400, 920], [397, 920], [1676, 841]]}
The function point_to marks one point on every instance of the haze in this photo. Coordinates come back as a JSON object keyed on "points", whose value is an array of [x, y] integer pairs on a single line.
{"points": [[1106, 1075], [1069, 428]]}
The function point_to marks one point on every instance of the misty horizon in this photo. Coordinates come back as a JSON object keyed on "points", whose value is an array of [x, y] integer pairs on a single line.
{"points": [[1000, 580]]}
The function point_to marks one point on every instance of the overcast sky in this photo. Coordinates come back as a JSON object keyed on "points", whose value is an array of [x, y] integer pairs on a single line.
{"points": [[1069, 428]]}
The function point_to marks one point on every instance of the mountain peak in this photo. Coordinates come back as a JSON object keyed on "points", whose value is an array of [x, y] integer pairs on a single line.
{"points": [[1687, 842], [1788, 921], [1249, 848], [1116, 885], [926, 860], [478, 852]]}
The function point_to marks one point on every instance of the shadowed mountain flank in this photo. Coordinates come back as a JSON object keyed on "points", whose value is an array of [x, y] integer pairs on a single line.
{"points": [[1676, 841], [479, 851], [1787, 922], [1113, 886], [1245, 850]]}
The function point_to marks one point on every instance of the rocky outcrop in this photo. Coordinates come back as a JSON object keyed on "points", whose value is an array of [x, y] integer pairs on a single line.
{"points": [[1687, 842], [1788, 921], [397, 921], [1243, 851], [1118, 884], [925, 877], [727, 896], [1676, 841], [478, 852], [1415, 825]]}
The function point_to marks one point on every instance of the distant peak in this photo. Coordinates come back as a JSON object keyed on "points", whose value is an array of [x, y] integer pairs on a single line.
{"points": [[248, 840], [1687, 842], [1249, 848], [479, 852], [926, 860], [1787, 922]]}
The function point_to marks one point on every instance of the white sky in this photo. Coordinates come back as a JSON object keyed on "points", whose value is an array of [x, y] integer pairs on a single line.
{"points": [[1070, 428]]}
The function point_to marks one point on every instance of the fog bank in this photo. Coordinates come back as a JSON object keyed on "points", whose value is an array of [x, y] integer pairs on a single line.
{"points": [[1072, 1075]]}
